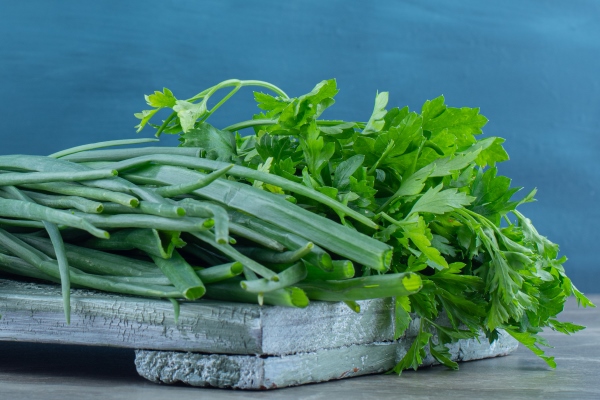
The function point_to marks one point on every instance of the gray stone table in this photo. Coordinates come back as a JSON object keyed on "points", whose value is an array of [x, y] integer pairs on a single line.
{"points": [[43, 371]]}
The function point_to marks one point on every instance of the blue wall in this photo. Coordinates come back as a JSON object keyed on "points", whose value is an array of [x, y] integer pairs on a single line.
{"points": [[75, 72]]}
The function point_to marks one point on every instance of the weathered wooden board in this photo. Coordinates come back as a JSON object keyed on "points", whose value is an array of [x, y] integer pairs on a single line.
{"points": [[223, 344], [255, 372], [33, 312]]}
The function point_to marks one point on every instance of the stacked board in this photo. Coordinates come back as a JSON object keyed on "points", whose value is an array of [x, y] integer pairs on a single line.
{"points": [[224, 344]]}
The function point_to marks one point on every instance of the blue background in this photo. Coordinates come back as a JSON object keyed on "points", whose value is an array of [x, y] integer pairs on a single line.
{"points": [[75, 72]]}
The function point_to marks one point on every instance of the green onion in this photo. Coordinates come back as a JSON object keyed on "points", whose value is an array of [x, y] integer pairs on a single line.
{"points": [[181, 275], [287, 277], [151, 241], [230, 290], [86, 192], [20, 178], [94, 261], [185, 188], [269, 256], [368, 287], [92, 146], [22, 209], [322, 231], [79, 203], [248, 173], [146, 207], [124, 154]]}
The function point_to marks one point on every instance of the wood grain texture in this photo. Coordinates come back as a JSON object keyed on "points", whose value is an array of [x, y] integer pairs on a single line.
{"points": [[252, 372], [250, 347], [33, 312]]}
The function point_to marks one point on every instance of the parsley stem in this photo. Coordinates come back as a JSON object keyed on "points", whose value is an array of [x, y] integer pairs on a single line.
{"points": [[232, 82], [248, 124], [266, 85], [385, 153], [165, 123], [256, 122]]}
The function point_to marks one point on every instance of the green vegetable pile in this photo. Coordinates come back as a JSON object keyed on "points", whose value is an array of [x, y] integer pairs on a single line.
{"points": [[405, 205]]}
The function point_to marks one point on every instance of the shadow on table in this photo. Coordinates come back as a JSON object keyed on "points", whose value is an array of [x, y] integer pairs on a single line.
{"points": [[61, 361]]}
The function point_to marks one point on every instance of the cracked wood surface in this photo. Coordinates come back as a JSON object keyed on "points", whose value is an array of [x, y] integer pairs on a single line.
{"points": [[33, 312]]}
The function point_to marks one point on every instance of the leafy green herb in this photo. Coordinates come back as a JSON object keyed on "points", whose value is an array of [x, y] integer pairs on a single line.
{"points": [[433, 189]]}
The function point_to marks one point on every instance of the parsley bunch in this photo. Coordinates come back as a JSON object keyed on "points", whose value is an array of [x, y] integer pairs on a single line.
{"points": [[429, 188]]}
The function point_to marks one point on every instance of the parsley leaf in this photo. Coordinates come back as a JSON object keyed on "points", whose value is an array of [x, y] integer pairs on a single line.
{"points": [[216, 144]]}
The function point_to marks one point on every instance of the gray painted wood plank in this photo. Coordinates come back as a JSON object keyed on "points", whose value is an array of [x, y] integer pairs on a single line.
{"points": [[326, 325], [223, 344], [252, 372], [33, 312]]}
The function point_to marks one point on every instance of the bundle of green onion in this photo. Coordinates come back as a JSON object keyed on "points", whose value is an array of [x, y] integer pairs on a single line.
{"points": [[163, 229]]}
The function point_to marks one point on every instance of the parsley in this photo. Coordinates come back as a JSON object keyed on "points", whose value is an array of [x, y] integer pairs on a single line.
{"points": [[429, 184]]}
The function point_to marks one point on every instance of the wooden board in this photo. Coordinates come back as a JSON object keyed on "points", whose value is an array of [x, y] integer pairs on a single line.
{"points": [[223, 344], [33, 312], [271, 372]]}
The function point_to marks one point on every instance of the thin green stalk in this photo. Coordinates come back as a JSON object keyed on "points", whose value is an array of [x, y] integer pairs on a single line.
{"points": [[124, 154], [324, 232], [219, 104], [161, 209], [39, 163], [63, 267], [209, 238], [258, 122], [255, 237], [176, 309], [94, 261], [145, 207], [59, 250], [317, 256], [185, 188], [17, 266], [79, 203], [266, 85], [269, 256], [385, 153], [93, 146], [249, 124], [287, 277], [151, 241], [21, 223], [354, 306], [165, 123], [200, 209], [158, 280], [70, 189], [247, 173], [220, 272], [183, 224], [50, 267], [26, 210], [208, 257], [20, 178]]}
